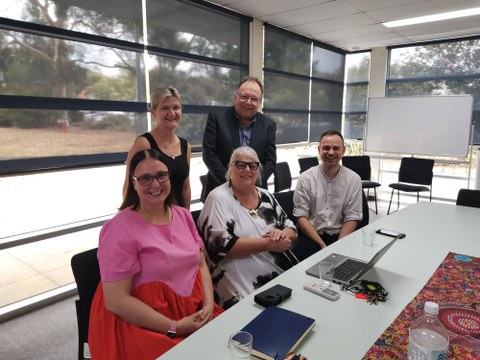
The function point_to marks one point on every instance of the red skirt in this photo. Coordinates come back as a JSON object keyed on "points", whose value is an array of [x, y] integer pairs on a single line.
{"points": [[110, 337]]}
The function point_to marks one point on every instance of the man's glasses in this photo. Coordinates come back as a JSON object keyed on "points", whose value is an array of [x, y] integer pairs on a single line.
{"points": [[244, 98], [147, 179], [253, 165]]}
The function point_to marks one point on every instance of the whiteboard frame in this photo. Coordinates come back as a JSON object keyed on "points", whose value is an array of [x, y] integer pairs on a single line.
{"points": [[420, 125]]}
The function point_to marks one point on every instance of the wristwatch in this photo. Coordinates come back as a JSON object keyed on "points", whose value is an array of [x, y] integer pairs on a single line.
{"points": [[172, 332]]}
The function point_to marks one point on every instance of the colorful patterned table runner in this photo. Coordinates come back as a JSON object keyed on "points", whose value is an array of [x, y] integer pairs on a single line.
{"points": [[455, 286]]}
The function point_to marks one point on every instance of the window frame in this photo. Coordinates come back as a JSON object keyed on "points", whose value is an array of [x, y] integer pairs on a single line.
{"points": [[51, 163], [392, 81]]}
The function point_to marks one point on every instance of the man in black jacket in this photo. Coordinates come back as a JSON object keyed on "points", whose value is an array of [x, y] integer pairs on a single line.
{"points": [[238, 126]]}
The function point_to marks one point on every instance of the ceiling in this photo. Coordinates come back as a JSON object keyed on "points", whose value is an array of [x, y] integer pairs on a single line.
{"points": [[355, 25]]}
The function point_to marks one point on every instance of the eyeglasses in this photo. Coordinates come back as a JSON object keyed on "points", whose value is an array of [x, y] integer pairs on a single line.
{"points": [[147, 179], [244, 98], [253, 165]]}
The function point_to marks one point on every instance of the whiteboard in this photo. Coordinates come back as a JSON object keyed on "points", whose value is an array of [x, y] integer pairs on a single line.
{"points": [[423, 125]]}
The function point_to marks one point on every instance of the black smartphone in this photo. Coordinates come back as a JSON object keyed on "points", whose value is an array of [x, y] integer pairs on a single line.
{"points": [[273, 296], [391, 233]]}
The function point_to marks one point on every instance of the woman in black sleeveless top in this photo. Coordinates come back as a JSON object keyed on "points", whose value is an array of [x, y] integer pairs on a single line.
{"points": [[167, 111]]}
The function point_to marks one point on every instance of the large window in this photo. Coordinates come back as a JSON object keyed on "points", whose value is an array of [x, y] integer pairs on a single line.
{"points": [[356, 97], [303, 86], [445, 68], [75, 75]]}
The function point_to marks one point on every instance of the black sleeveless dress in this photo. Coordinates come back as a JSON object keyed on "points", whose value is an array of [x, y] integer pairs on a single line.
{"points": [[178, 166]]}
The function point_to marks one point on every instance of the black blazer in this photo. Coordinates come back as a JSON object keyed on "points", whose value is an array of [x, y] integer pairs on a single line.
{"points": [[221, 137]]}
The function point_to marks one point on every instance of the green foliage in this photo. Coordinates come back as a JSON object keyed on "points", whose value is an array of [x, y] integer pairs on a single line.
{"points": [[361, 70], [28, 119], [356, 98], [76, 116], [438, 60], [116, 122], [286, 54], [118, 88]]}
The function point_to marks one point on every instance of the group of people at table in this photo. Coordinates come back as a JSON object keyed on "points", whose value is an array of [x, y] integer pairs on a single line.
{"points": [[163, 276]]}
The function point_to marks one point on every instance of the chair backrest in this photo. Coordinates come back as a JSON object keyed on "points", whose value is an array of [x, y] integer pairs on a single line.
{"points": [[416, 171], [468, 197], [195, 215], [359, 164], [282, 177], [86, 272], [285, 199], [365, 210], [307, 162]]}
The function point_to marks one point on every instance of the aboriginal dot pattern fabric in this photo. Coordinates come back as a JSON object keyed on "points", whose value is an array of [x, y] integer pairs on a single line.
{"points": [[455, 286]]}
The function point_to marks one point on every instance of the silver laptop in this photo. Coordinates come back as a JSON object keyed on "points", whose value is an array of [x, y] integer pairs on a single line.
{"points": [[347, 269]]}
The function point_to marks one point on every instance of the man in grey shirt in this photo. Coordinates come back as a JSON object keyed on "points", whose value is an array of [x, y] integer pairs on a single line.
{"points": [[327, 199]]}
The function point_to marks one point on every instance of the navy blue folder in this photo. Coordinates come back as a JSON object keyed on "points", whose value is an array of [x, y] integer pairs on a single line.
{"points": [[277, 332]]}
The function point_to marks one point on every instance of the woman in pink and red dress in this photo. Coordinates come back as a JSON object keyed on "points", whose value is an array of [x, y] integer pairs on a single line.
{"points": [[155, 287]]}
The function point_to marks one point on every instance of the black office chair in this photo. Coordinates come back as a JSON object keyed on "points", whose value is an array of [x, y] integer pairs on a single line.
{"points": [[86, 272], [285, 199], [203, 178], [282, 177], [468, 197], [415, 175], [302, 248], [361, 165], [307, 162], [366, 215]]}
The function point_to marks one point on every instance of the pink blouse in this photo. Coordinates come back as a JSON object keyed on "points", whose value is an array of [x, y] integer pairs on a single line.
{"points": [[131, 246]]}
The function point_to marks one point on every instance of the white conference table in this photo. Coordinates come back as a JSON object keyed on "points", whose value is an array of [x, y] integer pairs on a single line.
{"points": [[348, 327]]}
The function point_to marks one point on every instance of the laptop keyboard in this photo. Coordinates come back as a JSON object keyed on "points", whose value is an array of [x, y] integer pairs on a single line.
{"points": [[349, 268]]}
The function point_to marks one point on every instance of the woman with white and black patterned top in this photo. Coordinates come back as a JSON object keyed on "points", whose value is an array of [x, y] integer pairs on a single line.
{"points": [[247, 234]]}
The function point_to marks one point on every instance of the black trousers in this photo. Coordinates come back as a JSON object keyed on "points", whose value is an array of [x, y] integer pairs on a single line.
{"points": [[305, 246]]}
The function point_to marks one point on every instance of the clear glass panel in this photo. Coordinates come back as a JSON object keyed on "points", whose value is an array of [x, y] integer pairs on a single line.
{"points": [[466, 86], [63, 133], [122, 21], [442, 60], [199, 84], [291, 128], [285, 93], [319, 123], [358, 67], [286, 54], [328, 64], [476, 123], [356, 98], [354, 126], [416, 88], [327, 96], [183, 26], [48, 67], [192, 127]]}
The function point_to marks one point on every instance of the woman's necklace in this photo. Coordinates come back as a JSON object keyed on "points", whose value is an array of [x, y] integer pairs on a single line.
{"points": [[172, 151], [169, 148], [251, 211]]}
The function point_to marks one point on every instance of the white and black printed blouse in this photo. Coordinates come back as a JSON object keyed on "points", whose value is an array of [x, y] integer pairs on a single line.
{"points": [[222, 222]]}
